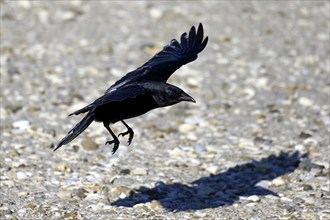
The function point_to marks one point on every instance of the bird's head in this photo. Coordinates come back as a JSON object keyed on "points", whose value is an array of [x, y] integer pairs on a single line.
{"points": [[173, 95]]}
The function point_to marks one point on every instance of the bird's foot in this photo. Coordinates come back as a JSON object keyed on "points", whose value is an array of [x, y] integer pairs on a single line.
{"points": [[131, 135], [115, 145]]}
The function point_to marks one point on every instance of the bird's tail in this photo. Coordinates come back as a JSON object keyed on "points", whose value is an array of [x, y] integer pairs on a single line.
{"points": [[80, 127]]}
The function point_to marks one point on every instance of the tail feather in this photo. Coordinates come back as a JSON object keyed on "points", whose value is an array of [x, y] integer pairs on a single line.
{"points": [[83, 110], [78, 129]]}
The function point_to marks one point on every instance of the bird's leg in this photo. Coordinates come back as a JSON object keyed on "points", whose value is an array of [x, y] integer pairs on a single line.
{"points": [[129, 131], [115, 140]]}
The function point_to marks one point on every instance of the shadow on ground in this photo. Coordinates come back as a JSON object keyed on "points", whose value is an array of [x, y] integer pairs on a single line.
{"points": [[217, 190]]}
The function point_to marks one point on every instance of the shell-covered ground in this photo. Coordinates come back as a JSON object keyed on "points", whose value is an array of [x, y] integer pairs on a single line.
{"points": [[254, 146]]}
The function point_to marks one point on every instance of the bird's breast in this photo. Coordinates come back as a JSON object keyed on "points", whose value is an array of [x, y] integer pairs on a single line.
{"points": [[128, 108]]}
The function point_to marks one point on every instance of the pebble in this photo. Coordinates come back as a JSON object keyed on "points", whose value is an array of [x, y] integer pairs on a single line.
{"points": [[310, 142], [21, 124], [200, 214], [24, 4], [20, 175], [278, 182], [309, 201], [155, 205], [117, 191], [251, 204], [213, 169], [123, 181], [184, 128], [191, 136], [139, 171], [305, 101], [3, 113], [63, 168], [23, 194], [155, 13], [253, 198], [81, 193], [193, 83], [245, 143], [68, 15], [301, 148], [64, 194]]}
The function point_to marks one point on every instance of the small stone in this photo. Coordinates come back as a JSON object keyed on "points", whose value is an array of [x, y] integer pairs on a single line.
{"points": [[213, 169], [278, 182], [118, 191], [3, 113], [307, 187], [63, 168], [123, 181], [192, 137], [304, 135], [305, 101], [89, 144], [43, 16], [64, 195], [310, 142], [22, 124], [253, 198], [301, 148], [8, 183], [21, 175], [249, 92], [81, 193], [200, 148], [262, 83], [24, 4], [200, 214], [23, 194], [155, 13], [30, 206], [122, 196], [245, 143], [193, 83], [139, 171], [186, 128], [71, 215], [22, 212], [155, 205], [141, 206], [68, 15], [251, 204]]}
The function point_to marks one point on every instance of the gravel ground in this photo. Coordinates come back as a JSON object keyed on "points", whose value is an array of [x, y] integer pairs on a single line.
{"points": [[254, 146]]}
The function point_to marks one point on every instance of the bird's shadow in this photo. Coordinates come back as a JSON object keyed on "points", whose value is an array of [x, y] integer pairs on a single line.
{"points": [[217, 190]]}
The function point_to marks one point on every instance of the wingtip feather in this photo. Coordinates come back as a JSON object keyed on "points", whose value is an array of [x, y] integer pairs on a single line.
{"points": [[192, 36], [203, 45]]}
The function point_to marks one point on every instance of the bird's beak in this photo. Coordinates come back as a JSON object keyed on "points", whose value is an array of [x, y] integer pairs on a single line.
{"points": [[187, 98]]}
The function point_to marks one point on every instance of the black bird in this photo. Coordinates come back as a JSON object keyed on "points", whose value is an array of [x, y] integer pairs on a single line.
{"points": [[143, 89]]}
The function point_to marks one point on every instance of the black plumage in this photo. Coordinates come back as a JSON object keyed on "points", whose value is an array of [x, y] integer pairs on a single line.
{"points": [[143, 89]]}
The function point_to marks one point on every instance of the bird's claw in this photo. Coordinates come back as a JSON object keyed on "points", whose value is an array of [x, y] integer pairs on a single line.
{"points": [[131, 134], [115, 143], [124, 133]]}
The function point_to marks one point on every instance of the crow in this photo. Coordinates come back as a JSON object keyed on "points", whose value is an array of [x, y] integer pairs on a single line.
{"points": [[142, 90]]}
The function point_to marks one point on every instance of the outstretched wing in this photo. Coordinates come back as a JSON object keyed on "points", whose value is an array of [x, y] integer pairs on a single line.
{"points": [[174, 55], [161, 66]]}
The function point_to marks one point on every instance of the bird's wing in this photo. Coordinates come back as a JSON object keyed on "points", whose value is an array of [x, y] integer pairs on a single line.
{"points": [[174, 55], [161, 66], [120, 94]]}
